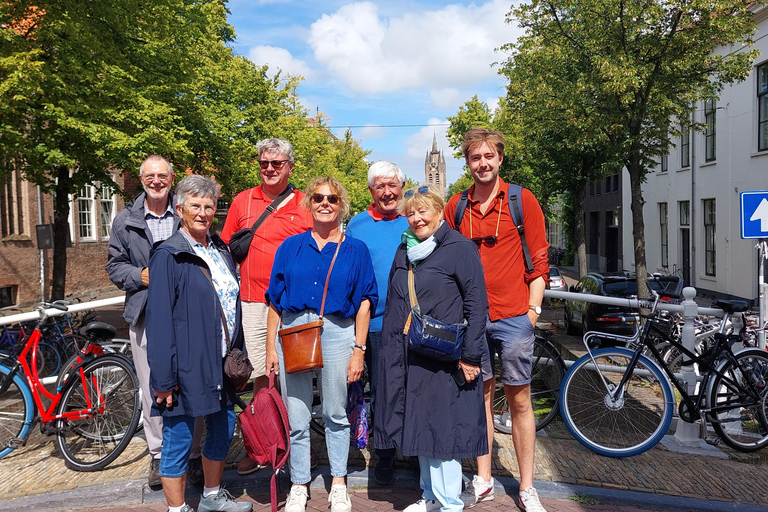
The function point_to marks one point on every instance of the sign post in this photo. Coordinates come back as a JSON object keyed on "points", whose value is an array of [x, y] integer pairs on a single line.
{"points": [[754, 224]]}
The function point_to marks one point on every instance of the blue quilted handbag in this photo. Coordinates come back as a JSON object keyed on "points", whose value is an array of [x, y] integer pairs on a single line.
{"points": [[430, 337]]}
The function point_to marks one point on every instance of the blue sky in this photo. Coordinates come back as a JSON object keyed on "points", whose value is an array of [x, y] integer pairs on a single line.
{"points": [[376, 64]]}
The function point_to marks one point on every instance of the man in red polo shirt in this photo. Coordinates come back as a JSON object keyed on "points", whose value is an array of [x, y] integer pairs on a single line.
{"points": [[514, 300], [289, 218]]}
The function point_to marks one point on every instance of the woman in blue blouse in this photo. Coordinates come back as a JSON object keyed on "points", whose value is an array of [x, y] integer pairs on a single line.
{"points": [[294, 296]]}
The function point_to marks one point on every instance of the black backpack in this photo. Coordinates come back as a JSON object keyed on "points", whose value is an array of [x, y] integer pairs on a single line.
{"points": [[517, 217]]}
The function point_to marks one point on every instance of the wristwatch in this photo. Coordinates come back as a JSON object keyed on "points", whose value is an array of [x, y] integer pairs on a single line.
{"points": [[536, 309], [361, 347]]}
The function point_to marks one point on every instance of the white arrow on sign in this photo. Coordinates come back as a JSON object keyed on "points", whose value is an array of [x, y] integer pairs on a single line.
{"points": [[761, 214]]}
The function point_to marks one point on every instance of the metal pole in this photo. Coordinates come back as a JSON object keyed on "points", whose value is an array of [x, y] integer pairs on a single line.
{"points": [[41, 251], [687, 434], [761, 288]]}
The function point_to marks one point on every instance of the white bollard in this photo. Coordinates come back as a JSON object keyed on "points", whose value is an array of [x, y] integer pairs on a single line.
{"points": [[687, 434]]}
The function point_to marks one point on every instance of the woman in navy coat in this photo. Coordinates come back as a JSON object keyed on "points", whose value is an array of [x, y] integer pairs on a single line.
{"points": [[193, 284], [421, 408]]}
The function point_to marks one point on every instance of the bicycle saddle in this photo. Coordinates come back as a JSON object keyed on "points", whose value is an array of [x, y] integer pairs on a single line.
{"points": [[731, 306], [99, 330]]}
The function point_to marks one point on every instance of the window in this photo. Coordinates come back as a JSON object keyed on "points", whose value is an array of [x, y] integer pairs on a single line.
{"points": [[664, 163], [598, 187], [685, 213], [664, 232], [8, 296], [86, 212], [591, 188], [437, 179], [430, 178], [14, 206], [107, 209], [615, 182], [762, 107], [709, 132], [709, 237], [607, 184], [685, 146]]}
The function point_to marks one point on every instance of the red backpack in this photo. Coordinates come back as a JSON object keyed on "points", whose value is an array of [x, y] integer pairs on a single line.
{"points": [[266, 435]]}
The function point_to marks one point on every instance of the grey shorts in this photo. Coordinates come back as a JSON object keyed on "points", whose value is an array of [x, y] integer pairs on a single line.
{"points": [[511, 340]]}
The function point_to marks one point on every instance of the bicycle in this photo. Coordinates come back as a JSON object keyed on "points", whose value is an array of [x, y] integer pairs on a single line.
{"points": [[547, 371], [619, 402], [93, 413]]}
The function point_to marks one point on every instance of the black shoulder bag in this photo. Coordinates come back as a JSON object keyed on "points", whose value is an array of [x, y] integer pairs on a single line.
{"points": [[241, 239]]}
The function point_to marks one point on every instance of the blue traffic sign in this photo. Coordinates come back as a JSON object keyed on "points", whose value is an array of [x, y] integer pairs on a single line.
{"points": [[754, 214]]}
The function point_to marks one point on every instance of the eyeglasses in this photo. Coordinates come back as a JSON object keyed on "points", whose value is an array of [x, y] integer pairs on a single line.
{"points": [[318, 198], [421, 190], [276, 164], [162, 178], [490, 240], [197, 208]]}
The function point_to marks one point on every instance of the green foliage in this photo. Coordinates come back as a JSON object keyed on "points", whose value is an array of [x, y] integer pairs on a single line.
{"points": [[460, 185], [88, 88]]}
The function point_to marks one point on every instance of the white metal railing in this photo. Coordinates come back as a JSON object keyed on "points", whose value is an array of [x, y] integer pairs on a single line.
{"points": [[71, 308]]}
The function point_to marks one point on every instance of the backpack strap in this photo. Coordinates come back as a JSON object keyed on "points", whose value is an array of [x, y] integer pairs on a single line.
{"points": [[461, 207], [516, 210]]}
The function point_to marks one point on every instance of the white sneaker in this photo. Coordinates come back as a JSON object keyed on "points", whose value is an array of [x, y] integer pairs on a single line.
{"points": [[297, 499], [477, 490], [423, 505], [529, 501], [339, 499]]}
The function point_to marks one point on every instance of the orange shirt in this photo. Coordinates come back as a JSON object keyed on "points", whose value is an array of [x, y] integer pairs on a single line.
{"points": [[290, 219], [505, 277]]}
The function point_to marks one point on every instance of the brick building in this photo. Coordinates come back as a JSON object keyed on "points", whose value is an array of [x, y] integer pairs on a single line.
{"points": [[23, 208]]}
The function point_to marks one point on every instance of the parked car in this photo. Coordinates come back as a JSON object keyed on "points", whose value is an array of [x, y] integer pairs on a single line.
{"points": [[588, 316], [556, 280]]}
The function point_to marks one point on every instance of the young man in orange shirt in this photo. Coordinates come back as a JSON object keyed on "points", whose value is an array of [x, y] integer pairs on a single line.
{"points": [[514, 299]]}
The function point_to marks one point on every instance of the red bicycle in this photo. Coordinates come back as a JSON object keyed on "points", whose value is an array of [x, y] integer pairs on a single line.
{"points": [[93, 413]]}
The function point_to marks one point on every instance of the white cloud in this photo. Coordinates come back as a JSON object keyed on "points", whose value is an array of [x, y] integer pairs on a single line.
{"points": [[492, 103], [450, 47], [278, 58], [371, 132], [446, 98]]}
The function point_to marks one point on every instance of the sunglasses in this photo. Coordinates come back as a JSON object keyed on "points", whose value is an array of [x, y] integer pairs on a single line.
{"points": [[318, 198], [421, 190], [490, 240], [276, 164]]}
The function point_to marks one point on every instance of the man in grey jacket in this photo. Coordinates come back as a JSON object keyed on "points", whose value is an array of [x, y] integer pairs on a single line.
{"points": [[149, 218]]}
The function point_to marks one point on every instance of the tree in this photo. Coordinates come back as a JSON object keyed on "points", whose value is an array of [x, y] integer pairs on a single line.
{"points": [[634, 66]]}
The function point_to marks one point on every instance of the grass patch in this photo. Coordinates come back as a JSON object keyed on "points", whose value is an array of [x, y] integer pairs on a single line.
{"points": [[583, 499]]}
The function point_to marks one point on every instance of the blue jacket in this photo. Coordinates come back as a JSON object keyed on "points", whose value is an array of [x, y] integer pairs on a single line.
{"points": [[419, 407], [183, 329], [130, 242]]}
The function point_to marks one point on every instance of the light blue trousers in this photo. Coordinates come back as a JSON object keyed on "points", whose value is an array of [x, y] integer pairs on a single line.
{"points": [[441, 480], [338, 339]]}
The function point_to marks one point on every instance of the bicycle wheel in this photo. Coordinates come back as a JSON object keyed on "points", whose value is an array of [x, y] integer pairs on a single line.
{"points": [[738, 418], [48, 360], [17, 409], [547, 371], [108, 389], [616, 426]]}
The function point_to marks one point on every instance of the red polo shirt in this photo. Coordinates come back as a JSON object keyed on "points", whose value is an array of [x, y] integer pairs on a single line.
{"points": [[505, 277], [290, 219]]}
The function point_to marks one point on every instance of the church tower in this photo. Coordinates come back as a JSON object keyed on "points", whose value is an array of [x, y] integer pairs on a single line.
{"points": [[434, 167]]}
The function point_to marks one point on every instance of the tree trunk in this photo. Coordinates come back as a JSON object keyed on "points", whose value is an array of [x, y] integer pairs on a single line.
{"points": [[580, 239], [60, 233], [638, 224]]}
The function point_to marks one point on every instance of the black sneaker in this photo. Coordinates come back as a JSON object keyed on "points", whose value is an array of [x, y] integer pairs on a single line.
{"points": [[384, 471], [195, 471], [154, 473]]}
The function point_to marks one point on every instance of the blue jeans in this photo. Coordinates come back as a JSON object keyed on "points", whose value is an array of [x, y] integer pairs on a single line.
{"points": [[338, 339], [441, 480], [177, 440]]}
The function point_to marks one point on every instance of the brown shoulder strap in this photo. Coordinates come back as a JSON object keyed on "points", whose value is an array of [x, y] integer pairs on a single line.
{"points": [[328, 278]]}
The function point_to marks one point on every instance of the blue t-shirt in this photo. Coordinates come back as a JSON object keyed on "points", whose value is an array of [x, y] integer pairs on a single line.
{"points": [[382, 237], [300, 269]]}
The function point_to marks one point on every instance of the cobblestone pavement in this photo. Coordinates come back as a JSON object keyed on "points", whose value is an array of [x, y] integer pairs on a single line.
{"points": [[380, 500], [741, 478]]}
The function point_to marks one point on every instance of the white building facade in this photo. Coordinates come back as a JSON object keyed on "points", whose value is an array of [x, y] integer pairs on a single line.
{"points": [[692, 200]]}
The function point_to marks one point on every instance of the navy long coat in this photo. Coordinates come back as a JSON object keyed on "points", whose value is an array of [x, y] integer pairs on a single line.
{"points": [[419, 406], [184, 329]]}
